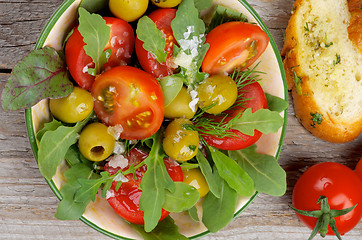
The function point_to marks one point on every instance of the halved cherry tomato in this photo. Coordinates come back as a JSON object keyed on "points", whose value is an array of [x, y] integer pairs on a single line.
{"points": [[121, 43], [162, 18], [125, 201], [131, 98], [339, 184], [255, 99], [233, 44]]}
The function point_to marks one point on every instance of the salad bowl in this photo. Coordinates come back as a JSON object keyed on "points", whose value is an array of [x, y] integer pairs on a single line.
{"points": [[99, 215]]}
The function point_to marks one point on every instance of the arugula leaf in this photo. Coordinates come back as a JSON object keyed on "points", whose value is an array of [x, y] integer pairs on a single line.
{"points": [[193, 214], [264, 169], [95, 33], [275, 103], [89, 187], [73, 156], [223, 15], [154, 183], [94, 6], [189, 31], [202, 4], [218, 212], [232, 173], [68, 209], [264, 120], [54, 146], [152, 38], [171, 86], [50, 126], [207, 172], [183, 198], [40, 75], [166, 229]]}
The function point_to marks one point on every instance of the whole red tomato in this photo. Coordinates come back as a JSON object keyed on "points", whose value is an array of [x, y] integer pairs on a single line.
{"points": [[131, 98], [121, 43], [255, 99], [125, 201], [233, 44], [162, 18], [339, 184], [358, 169]]}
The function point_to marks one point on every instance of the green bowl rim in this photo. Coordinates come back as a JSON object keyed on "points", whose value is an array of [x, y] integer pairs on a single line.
{"points": [[32, 137]]}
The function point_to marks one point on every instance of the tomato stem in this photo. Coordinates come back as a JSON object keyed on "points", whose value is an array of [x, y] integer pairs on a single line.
{"points": [[325, 217]]}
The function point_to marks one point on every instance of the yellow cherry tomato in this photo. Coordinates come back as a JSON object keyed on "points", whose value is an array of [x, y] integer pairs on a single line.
{"points": [[195, 178], [72, 108], [128, 10], [180, 143], [95, 143], [217, 93], [180, 106], [166, 3]]}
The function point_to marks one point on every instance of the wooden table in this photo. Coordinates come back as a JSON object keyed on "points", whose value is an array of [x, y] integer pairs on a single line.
{"points": [[27, 205]]}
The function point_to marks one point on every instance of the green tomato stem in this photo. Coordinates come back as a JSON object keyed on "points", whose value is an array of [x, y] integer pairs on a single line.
{"points": [[325, 217]]}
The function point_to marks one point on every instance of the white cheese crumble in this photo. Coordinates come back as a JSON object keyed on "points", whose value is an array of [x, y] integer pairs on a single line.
{"points": [[119, 148], [193, 43], [110, 194], [115, 131], [120, 178], [194, 101], [118, 161]]}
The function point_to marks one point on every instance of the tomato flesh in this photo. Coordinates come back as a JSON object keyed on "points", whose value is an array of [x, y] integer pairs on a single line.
{"points": [[233, 45], [121, 43], [162, 18], [339, 184], [131, 98], [125, 201], [255, 99]]}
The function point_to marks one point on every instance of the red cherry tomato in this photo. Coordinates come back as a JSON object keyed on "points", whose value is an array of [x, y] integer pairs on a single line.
{"points": [[233, 44], [339, 184], [121, 43], [255, 100], [125, 201], [131, 98], [358, 169], [162, 18]]}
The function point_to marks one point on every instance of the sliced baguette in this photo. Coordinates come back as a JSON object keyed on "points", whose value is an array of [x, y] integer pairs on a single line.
{"points": [[323, 66]]}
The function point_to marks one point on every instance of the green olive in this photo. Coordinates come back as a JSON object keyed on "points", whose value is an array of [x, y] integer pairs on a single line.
{"points": [[95, 143], [195, 178], [217, 93], [180, 106], [180, 143], [72, 108]]}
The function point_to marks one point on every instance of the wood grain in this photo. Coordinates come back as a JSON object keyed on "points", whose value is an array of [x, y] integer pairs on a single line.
{"points": [[27, 205]]}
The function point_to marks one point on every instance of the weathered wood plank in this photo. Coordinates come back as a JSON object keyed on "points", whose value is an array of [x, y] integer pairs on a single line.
{"points": [[27, 205]]}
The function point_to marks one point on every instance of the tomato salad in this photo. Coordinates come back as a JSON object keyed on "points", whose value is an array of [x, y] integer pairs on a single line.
{"points": [[160, 110]]}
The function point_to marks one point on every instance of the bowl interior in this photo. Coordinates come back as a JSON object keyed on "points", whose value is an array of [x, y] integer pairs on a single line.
{"points": [[99, 214]]}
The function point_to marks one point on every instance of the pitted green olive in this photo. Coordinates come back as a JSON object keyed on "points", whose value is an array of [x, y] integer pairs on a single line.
{"points": [[95, 143], [180, 106], [72, 108], [217, 93], [180, 143]]}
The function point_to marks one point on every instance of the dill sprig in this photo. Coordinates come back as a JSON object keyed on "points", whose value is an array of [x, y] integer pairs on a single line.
{"points": [[207, 124]]}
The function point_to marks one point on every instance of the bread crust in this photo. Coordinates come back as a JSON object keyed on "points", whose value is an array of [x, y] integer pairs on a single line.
{"points": [[305, 104]]}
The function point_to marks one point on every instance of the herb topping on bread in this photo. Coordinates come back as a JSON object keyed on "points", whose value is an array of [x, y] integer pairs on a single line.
{"points": [[323, 65]]}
